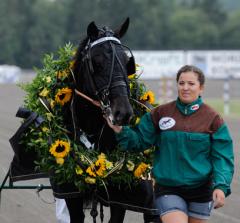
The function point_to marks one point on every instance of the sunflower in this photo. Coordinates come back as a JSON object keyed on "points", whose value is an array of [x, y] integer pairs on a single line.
{"points": [[148, 96], [63, 96], [90, 170], [141, 169], [60, 148], [101, 170]]}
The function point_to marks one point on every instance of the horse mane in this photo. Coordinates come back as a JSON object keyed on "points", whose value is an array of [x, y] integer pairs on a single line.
{"points": [[78, 56]]}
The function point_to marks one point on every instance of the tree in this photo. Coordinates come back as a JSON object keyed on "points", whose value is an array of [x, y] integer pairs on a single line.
{"points": [[11, 29], [190, 29], [230, 35], [213, 9]]}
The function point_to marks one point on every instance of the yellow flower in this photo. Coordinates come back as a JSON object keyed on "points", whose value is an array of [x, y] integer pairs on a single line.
{"points": [[132, 76], [49, 116], [60, 161], [90, 171], [130, 165], [102, 156], [63, 96], [71, 64], [101, 165], [137, 120], [148, 96], [44, 92], [147, 151], [74, 51], [101, 160], [109, 165], [140, 169], [79, 170], [45, 129], [90, 180], [52, 103], [60, 148], [48, 79], [62, 74], [101, 170]]}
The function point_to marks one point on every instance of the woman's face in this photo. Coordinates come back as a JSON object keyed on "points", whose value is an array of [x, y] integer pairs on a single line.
{"points": [[189, 88]]}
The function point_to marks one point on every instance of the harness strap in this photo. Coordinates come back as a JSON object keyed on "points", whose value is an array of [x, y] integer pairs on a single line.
{"points": [[104, 39], [118, 83]]}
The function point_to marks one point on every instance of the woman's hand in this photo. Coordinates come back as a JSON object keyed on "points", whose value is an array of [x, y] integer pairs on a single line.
{"points": [[115, 128], [218, 198]]}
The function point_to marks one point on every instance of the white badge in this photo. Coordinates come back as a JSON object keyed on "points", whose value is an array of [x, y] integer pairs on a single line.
{"points": [[166, 123], [195, 107]]}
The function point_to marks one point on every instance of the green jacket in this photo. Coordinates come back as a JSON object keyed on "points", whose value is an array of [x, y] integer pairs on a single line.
{"points": [[192, 143]]}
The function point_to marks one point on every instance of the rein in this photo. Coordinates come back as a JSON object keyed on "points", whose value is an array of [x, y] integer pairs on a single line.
{"points": [[146, 105], [94, 102]]}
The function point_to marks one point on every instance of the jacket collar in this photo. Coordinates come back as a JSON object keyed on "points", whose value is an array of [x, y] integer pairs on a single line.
{"points": [[188, 109]]}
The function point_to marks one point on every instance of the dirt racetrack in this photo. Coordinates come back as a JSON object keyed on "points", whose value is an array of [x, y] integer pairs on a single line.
{"points": [[24, 206]]}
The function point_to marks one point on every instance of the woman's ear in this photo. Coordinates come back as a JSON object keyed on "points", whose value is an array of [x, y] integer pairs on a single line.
{"points": [[202, 87]]}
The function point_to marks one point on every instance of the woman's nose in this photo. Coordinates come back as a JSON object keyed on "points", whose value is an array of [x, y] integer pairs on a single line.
{"points": [[185, 87]]}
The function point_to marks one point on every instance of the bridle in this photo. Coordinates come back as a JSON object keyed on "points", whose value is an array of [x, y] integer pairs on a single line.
{"points": [[102, 94]]}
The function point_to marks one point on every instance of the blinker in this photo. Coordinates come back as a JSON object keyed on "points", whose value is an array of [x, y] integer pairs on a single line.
{"points": [[131, 68]]}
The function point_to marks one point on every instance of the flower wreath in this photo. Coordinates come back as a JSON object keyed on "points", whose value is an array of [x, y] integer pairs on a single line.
{"points": [[52, 144]]}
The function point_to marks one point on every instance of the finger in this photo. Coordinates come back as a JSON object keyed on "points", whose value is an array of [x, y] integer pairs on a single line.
{"points": [[219, 202]]}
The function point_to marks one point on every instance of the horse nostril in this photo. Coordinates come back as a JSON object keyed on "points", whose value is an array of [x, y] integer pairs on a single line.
{"points": [[117, 116], [122, 118]]}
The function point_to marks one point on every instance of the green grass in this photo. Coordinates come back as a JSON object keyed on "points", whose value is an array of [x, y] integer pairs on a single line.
{"points": [[218, 105]]}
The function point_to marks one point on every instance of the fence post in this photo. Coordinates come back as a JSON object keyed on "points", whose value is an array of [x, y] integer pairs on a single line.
{"points": [[226, 96]]}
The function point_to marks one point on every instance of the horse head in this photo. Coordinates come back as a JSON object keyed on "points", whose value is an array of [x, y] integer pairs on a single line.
{"points": [[101, 70]]}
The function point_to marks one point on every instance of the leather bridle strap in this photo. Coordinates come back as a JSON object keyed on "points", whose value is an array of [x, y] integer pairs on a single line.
{"points": [[94, 102]]}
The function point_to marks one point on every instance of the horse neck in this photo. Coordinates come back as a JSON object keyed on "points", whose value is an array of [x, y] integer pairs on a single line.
{"points": [[92, 123]]}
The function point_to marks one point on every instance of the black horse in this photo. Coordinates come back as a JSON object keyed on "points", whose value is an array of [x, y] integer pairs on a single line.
{"points": [[100, 87], [100, 74]]}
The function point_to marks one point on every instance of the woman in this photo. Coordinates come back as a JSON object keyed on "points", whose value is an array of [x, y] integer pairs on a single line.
{"points": [[193, 163]]}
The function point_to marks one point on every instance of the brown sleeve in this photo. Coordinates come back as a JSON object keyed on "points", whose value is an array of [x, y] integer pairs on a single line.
{"points": [[217, 123], [155, 115]]}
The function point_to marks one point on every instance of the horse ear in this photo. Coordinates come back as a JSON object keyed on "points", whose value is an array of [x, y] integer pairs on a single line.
{"points": [[92, 30], [120, 32]]}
